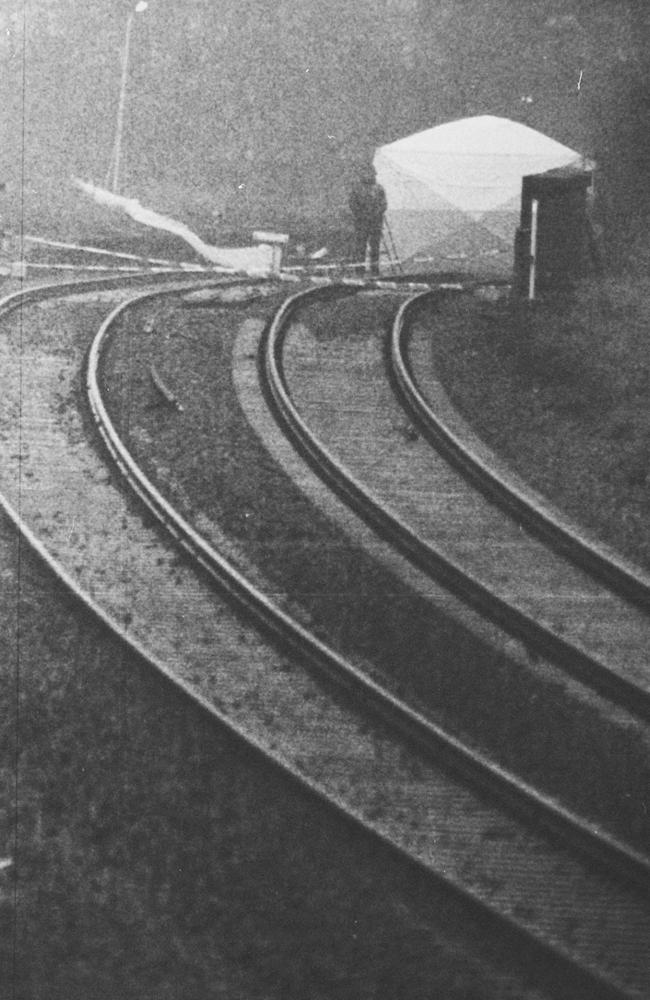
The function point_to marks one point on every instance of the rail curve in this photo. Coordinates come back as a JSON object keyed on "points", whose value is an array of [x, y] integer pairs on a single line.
{"points": [[576, 661], [492, 476], [418, 731], [623, 976]]}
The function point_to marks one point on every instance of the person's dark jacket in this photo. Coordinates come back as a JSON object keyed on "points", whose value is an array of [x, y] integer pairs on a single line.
{"points": [[368, 204]]}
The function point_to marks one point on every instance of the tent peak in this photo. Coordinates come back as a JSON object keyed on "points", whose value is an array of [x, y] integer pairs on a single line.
{"points": [[485, 133]]}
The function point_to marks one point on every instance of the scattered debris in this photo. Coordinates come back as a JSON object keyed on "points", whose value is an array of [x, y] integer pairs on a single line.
{"points": [[492, 293], [222, 296], [408, 432], [164, 390]]}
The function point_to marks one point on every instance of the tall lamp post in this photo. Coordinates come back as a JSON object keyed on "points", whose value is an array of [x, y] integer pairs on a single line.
{"points": [[117, 149]]}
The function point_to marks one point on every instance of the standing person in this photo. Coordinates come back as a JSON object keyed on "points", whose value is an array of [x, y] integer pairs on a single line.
{"points": [[368, 205]]}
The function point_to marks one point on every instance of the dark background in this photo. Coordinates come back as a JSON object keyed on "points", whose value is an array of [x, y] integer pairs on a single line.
{"points": [[260, 110]]}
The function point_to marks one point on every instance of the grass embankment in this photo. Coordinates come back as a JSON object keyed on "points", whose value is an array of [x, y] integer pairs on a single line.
{"points": [[562, 391]]}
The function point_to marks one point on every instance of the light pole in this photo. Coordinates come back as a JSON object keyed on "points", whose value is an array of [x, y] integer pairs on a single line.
{"points": [[117, 149]]}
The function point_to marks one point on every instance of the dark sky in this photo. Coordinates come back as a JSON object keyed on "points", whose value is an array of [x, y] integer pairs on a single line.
{"points": [[266, 106]]}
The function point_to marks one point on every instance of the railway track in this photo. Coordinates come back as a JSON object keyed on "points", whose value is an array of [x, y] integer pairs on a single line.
{"points": [[522, 584], [424, 396], [595, 935], [332, 387], [465, 772]]}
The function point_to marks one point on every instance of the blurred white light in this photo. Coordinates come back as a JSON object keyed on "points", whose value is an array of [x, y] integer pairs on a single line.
{"points": [[139, 7]]}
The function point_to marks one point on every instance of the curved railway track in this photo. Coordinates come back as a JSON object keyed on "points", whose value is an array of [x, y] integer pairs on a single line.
{"points": [[434, 811], [323, 566], [516, 580], [418, 732], [335, 388], [442, 425]]}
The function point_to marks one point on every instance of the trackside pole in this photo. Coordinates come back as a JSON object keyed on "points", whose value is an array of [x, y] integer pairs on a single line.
{"points": [[117, 154]]}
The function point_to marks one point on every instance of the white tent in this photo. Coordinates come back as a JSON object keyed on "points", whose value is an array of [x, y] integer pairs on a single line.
{"points": [[454, 191]]}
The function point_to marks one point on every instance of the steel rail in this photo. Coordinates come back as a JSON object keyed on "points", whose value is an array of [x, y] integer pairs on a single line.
{"points": [[586, 975], [529, 806], [473, 767], [117, 630], [487, 471], [49, 290], [576, 662]]}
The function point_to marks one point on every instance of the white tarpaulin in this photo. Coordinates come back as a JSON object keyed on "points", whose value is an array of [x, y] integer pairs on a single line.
{"points": [[255, 261], [454, 192]]}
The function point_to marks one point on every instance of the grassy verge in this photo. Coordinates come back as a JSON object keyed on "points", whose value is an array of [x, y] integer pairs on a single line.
{"points": [[562, 390]]}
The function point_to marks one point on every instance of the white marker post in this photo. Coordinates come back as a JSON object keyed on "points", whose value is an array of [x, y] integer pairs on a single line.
{"points": [[534, 207], [277, 242]]}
